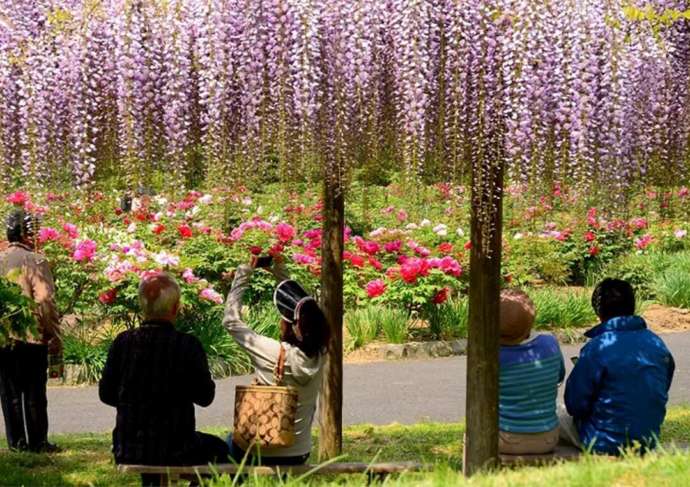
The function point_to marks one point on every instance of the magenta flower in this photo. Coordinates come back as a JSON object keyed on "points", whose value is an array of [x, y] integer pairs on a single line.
{"points": [[71, 230], [189, 277], [392, 247], [46, 234], [285, 232], [84, 251], [375, 288], [19, 198]]}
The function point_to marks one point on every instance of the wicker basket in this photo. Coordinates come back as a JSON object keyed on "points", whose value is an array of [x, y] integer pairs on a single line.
{"points": [[265, 415]]}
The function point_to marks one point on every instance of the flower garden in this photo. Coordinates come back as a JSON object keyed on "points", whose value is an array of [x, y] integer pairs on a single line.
{"points": [[406, 263]]}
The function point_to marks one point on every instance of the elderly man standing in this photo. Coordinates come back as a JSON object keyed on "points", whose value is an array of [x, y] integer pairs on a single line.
{"points": [[24, 363], [153, 376]]}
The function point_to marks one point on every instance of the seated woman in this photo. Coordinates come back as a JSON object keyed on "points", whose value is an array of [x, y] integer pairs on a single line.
{"points": [[304, 334], [531, 368]]}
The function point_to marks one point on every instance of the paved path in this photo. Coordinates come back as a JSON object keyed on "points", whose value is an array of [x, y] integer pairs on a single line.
{"points": [[378, 393]]}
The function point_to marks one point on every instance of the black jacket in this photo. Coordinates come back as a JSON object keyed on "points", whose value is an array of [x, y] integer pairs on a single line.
{"points": [[153, 376]]}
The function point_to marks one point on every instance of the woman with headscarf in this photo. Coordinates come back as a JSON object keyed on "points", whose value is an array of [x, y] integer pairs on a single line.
{"points": [[304, 337]]}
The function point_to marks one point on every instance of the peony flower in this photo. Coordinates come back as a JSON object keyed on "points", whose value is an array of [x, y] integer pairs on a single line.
{"points": [[468, 245], [19, 198], [108, 297], [285, 232], [165, 259], [402, 215], [206, 199], [460, 232], [357, 260], [375, 263], [71, 230], [680, 233], [84, 251], [392, 247], [185, 231], [411, 226], [189, 277], [445, 248], [209, 294], [303, 259], [375, 288], [683, 192], [441, 230], [425, 223], [590, 237], [643, 242], [46, 234], [158, 228], [594, 250], [441, 296], [132, 228]]}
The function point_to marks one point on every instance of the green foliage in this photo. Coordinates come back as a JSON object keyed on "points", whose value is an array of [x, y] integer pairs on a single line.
{"points": [[363, 325], [562, 309], [87, 350], [16, 312], [532, 259], [673, 287], [393, 324], [448, 320]]}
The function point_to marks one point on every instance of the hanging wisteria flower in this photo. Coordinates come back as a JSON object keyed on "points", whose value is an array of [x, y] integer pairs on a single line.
{"points": [[209, 294]]}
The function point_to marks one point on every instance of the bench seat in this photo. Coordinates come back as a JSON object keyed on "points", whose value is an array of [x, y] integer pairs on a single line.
{"points": [[171, 474], [561, 453]]}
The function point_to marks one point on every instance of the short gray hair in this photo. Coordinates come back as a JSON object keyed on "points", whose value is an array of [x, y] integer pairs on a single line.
{"points": [[158, 294]]}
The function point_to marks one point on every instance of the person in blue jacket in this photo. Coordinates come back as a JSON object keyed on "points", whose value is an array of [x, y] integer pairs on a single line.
{"points": [[616, 394]]}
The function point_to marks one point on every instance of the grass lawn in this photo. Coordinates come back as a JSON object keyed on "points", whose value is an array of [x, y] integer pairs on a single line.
{"points": [[86, 460]]}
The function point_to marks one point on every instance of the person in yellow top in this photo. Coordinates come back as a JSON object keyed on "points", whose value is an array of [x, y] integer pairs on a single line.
{"points": [[24, 363]]}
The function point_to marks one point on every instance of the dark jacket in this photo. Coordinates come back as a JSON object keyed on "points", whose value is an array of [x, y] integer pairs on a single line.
{"points": [[153, 376], [618, 390]]}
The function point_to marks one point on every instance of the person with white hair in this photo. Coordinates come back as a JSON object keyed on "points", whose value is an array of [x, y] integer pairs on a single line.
{"points": [[154, 375]]}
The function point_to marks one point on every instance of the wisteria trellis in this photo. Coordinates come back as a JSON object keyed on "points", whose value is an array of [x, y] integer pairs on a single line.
{"points": [[230, 86]]}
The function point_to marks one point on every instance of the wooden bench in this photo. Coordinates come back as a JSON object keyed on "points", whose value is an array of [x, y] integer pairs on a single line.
{"points": [[561, 453], [169, 475]]}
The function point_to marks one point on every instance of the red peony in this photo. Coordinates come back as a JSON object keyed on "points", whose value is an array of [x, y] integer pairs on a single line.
{"points": [[285, 232], [594, 250], [375, 288], [445, 248], [158, 229], [185, 231], [441, 296], [255, 250], [108, 297]]}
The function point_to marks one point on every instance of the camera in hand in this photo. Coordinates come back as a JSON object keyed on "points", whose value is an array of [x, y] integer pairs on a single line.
{"points": [[264, 261]]}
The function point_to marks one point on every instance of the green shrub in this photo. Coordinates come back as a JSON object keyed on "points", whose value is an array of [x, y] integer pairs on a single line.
{"points": [[562, 309], [450, 319], [673, 287], [87, 352], [363, 325], [393, 324], [532, 259]]}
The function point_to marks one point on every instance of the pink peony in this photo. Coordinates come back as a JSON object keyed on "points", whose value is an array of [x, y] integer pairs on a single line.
{"points": [[643, 242], [402, 215], [590, 237], [189, 277], [46, 234], [392, 247], [303, 259], [71, 230], [285, 232], [19, 198], [84, 251], [209, 294], [375, 288]]}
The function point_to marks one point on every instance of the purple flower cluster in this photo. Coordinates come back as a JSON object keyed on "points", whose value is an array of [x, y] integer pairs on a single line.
{"points": [[561, 90]]}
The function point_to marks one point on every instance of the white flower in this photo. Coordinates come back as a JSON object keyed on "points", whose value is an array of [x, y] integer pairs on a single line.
{"points": [[460, 232], [132, 228], [411, 226], [425, 223], [136, 204], [157, 216], [206, 199], [161, 200], [246, 201], [681, 233], [192, 211], [164, 258], [441, 229], [518, 236], [273, 218], [379, 231], [259, 210]]}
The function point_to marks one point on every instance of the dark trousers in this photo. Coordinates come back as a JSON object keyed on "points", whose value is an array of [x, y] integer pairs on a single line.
{"points": [[211, 450], [23, 379]]}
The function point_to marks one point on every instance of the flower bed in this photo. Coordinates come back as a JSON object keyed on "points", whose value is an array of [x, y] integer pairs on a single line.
{"points": [[405, 263]]}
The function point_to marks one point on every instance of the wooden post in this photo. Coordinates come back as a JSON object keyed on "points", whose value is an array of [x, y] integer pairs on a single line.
{"points": [[481, 440], [331, 399]]}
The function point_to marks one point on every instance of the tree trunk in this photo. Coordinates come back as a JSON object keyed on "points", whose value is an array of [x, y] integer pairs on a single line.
{"points": [[331, 399], [481, 442]]}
